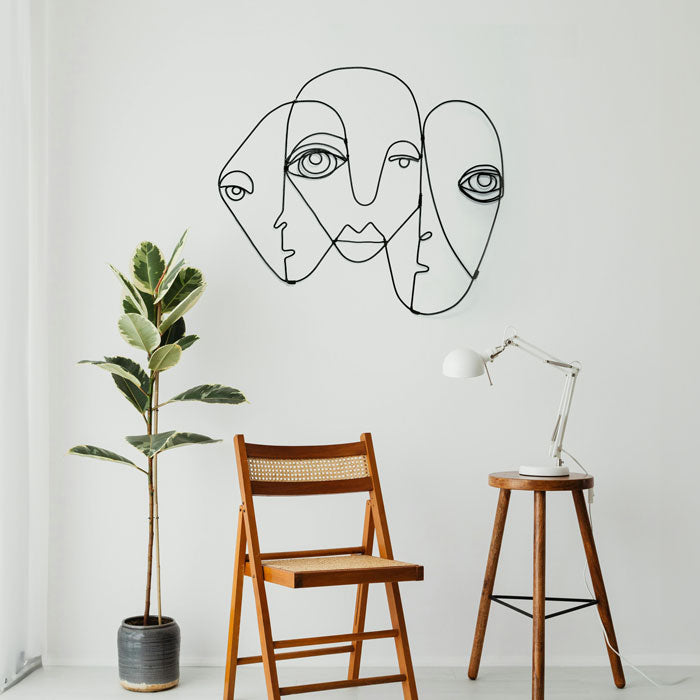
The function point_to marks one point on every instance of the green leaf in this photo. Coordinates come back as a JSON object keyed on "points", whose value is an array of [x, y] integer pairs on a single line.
{"points": [[99, 453], [182, 308], [168, 279], [129, 307], [174, 333], [113, 368], [132, 296], [172, 269], [188, 279], [211, 393], [137, 397], [152, 445], [147, 267], [176, 251], [139, 332], [188, 340], [147, 299], [165, 357]]}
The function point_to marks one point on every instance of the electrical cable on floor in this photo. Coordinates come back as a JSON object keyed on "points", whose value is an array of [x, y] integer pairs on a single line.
{"points": [[589, 503]]}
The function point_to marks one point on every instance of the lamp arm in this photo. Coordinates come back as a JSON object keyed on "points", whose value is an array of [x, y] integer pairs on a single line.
{"points": [[571, 373], [518, 342], [555, 448], [540, 354]]}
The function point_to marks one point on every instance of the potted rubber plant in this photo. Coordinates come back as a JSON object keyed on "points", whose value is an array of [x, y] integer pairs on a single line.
{"points": [[156, 296]]}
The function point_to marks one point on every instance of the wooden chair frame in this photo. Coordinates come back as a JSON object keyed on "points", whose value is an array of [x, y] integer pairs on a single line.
{"points": [[249, 562]]}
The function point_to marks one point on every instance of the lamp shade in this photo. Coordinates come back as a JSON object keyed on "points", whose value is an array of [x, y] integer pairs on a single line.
{"points": [[463, 363]]}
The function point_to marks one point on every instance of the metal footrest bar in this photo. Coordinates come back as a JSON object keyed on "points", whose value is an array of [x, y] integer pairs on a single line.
{"points": [[583, 603], [337, 685]]}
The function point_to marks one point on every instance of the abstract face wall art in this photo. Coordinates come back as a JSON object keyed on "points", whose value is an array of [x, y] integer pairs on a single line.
{"points": [[278, 223], [347, 168], [366, 182], [462, 191], [250, 185]]}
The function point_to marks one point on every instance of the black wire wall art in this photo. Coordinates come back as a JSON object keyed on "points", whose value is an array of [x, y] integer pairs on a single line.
{"points": [[348, 168]]}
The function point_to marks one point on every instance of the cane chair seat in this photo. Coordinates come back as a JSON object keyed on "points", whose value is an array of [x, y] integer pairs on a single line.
{"points": [[307, 572]]}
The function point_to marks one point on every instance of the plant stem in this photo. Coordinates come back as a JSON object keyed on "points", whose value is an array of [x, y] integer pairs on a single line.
{"points": [[151, 492], [149, 568], [156, 389]]}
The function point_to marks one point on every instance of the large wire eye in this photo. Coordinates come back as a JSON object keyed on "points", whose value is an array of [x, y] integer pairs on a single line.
{"points": [[315, 163], [482, 183]]}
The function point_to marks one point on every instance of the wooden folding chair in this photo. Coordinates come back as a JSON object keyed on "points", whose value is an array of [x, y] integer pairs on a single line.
{"points": [[268, 470]]}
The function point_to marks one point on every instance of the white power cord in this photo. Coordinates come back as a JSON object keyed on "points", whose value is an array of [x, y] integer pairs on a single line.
{"points": [[585, 471], [590, 592]]}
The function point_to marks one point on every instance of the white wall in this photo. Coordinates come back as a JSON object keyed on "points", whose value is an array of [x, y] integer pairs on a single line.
{"points": [[594, 257]]}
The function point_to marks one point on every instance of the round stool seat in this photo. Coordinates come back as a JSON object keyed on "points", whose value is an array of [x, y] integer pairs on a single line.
{"points": [[517, 482]]}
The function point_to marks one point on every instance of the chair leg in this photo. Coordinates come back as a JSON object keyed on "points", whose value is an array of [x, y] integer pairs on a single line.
{"points": [[489, 578], [236, 600], [598, 586], [403, 651], [538, 596], [361, 598], [358, 627], [264, 627]]}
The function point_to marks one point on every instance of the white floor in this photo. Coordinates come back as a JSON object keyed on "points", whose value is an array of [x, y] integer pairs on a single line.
{"points": [[62, 682]]}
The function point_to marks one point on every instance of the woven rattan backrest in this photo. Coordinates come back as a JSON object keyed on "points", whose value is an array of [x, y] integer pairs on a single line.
{"points": [[278, 470], [319, 469]]}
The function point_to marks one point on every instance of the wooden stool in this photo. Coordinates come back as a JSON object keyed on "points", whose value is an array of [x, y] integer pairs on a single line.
{"points": [[576, 483]]}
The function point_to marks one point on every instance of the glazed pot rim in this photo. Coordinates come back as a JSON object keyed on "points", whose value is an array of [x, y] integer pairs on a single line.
{"points": [[136, 622]]}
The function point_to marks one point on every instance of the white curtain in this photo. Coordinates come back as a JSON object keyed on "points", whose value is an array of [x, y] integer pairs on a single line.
{"points": [[23, 386]]}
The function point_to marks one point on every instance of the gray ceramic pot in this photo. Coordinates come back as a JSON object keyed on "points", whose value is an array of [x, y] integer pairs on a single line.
{"points": [[149, 656]]}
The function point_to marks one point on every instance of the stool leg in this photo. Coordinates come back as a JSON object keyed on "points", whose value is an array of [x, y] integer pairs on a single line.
{"points": [[538, 596], [489, 578], [584, 524]]}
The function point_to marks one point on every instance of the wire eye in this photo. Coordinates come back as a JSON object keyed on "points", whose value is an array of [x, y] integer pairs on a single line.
{"points": [[236, 185], [482, 183], [315, 163], [403, 160], [234, 192]]}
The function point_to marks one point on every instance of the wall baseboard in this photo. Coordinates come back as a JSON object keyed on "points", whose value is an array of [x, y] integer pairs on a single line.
{"points": [[30, 665], [456, 662]]}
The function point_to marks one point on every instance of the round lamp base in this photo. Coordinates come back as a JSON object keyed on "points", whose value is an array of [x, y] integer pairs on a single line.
{"points": [[551, 470]]}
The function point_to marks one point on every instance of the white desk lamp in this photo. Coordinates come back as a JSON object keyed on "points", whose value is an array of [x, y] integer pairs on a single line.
{"points": [[464, 363]]}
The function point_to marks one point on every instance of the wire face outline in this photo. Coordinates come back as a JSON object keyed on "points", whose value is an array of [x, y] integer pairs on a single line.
{"points": [[348, 168]]}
